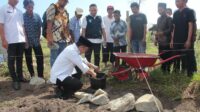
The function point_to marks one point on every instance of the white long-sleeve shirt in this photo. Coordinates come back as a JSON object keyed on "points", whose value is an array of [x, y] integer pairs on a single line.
{"points": [[65, 63]]}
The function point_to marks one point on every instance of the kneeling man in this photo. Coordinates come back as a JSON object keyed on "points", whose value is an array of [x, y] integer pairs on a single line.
{"points": [[69, 66]]}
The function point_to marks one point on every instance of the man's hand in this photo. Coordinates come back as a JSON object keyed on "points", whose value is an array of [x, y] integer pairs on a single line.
{"points": [[172, 44], [26, 45], [156, 43], [104, 44], [96, 69], [187, 44], [144, 40], [5, 44], [94, 75], [49, 40], [116, 41]]}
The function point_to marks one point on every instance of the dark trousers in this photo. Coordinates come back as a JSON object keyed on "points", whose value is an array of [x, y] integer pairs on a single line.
{"points": [[108, 53], [187, 61], [15, 56], [39, 57], [193, 59], [120, 49], [96, 48], [70, 84], [165, 53]]}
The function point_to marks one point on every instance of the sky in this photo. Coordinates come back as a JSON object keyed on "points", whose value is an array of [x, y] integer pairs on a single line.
{"points": [[148, 7]]}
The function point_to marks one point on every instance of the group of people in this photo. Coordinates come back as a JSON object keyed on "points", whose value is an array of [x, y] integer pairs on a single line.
{"points": [[67, 43], [176, 36]]}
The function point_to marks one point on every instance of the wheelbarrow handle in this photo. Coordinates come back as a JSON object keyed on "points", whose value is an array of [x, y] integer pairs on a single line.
{"points": [[166, 60], [162, 53]]}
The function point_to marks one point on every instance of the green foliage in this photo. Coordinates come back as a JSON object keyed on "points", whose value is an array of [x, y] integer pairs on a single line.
{"points": [[4, 70]]}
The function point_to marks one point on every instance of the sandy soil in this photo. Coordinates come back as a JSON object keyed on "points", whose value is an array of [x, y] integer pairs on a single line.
{"points": [[42, 99]]}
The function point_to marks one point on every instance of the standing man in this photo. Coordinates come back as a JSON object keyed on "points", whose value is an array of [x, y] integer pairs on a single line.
{"points": [[163, 35], [94, 29], [33, 24], [118, 33], [75, 25], [182, 40], [13, 39], [138, 29], [69, 67], [57, 28], [108, 50], [194, 37]]}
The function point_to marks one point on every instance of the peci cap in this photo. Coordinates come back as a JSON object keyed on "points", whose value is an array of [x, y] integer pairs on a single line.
{"points": [[162, 5], [85, 41], [79, 11]]}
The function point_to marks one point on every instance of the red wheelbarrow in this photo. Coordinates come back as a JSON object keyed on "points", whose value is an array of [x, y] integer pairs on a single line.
{"points": [[138, 62]]}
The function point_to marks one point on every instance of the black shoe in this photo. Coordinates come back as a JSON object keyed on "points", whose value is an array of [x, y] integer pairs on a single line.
{"points": [[58, 93], [16, 85], [23, 80]]}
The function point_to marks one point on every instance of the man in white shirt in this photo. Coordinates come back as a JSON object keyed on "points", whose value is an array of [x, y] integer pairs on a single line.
{"points": [[69, 66], [13, 39], [108, 50], [93, 28]]}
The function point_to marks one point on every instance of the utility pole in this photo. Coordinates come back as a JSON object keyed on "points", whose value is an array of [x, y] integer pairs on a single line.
{"points": [[128, 39]]}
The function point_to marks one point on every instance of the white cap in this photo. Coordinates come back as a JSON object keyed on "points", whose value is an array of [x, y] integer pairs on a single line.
{"points": [[79, 11]]}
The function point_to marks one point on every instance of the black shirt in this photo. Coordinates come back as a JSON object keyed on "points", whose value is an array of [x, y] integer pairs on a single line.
{"points": [[181, 21], [137, 23], [165, 25]]}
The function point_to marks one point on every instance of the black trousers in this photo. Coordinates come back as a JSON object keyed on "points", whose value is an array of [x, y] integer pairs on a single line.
{"points": [[96, 48], [187, 62], [165, 67], [70, 84], [39, 57], [193, 59], [108, 53], [120, 49], [15, 56]]}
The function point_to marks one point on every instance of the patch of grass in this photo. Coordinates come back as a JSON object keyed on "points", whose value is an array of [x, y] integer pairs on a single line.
{"points": [[171, 85], [196, 77], [4, 70]]}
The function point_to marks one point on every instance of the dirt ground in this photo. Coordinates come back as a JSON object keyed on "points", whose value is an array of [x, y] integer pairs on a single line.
{"points": [[42, 99]]}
